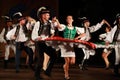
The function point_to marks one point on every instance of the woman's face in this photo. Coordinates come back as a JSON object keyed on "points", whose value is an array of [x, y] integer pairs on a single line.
{"points": [[69, 19]]}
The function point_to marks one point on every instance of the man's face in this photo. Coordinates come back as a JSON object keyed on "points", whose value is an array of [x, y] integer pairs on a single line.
{"points": [[87, 24], [22, 22], [119, 20], [9, 23], [45, 16]]}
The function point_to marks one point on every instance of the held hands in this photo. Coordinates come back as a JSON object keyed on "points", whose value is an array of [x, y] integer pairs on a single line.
{"points": [[54, 19], [105, 22], [39, 38]]}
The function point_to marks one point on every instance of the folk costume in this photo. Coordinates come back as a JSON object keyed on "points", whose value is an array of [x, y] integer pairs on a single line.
{"points": [[8, 43], [20, 34]]}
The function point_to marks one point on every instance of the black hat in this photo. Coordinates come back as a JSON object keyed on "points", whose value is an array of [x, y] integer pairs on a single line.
{"points": [[42, 10], [7, 18], [84, 19], [117, 17], [18, 16]]}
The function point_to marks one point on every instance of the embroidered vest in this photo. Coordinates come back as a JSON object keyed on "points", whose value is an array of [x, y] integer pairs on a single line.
{"points": [[44, 29], [68, 33]]}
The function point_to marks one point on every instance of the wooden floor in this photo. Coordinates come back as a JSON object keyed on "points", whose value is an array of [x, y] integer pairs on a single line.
{"points": [[93, 73]]}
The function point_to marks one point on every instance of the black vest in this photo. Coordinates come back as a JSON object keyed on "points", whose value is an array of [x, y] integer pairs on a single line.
{"points": [[6, 31], [88, 35], [117, 33], [44, 29], [24, 30]]}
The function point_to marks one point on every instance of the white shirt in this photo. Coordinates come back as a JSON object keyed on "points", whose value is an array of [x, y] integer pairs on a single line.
{"points": [[103, 36], [30, 25], [2, 36], [95, 27], [20, 37], [111, 35]]}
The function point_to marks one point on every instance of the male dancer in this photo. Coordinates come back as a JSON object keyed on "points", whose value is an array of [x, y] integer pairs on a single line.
{"points": [[8, 43], [20, 34], [114, 36], [43, 29]]}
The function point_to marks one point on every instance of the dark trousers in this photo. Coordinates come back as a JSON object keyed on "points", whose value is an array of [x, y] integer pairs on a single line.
{"points": [[19, 48], [41, 47]]}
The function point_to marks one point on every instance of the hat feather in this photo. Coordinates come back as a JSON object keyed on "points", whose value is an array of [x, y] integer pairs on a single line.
{"points": [[41, 8]]}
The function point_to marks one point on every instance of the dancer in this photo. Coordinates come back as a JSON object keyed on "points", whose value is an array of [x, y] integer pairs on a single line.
{"points": [[106, 51], [67, 51], [114, 36], [20, 34], [9, 44], [30, 22], [87, 37], [43, 29]]}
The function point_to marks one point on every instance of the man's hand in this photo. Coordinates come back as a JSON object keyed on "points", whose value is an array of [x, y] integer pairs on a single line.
{"points": [[54, 19], [39, 38]]}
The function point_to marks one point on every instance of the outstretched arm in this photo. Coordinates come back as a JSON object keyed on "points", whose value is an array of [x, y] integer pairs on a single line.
{"points": [[107, 23], [55, 20], [80, 36]]}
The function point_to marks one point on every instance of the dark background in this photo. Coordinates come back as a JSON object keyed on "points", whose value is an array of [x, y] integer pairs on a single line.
{"points": [[94, 10]]}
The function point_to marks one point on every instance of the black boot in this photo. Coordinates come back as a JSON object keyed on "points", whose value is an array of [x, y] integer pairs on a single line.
{"points": [[5, 64], [116, 70], [32, 67], [37, 75], [83, 64]]}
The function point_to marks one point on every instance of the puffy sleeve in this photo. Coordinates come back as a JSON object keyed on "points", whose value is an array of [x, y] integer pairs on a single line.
{"points": [[11, 33], [110, 36], [80, 30], [2, 35], [95, 27], [62, 27], [102, 36], [35, 31]]}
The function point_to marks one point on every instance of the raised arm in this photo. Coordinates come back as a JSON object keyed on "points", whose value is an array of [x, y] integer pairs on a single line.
{"points": [[107, 23], [55, 20]]}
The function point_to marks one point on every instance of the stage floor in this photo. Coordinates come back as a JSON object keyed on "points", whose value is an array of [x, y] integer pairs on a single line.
{"points": [[93, 73]]}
